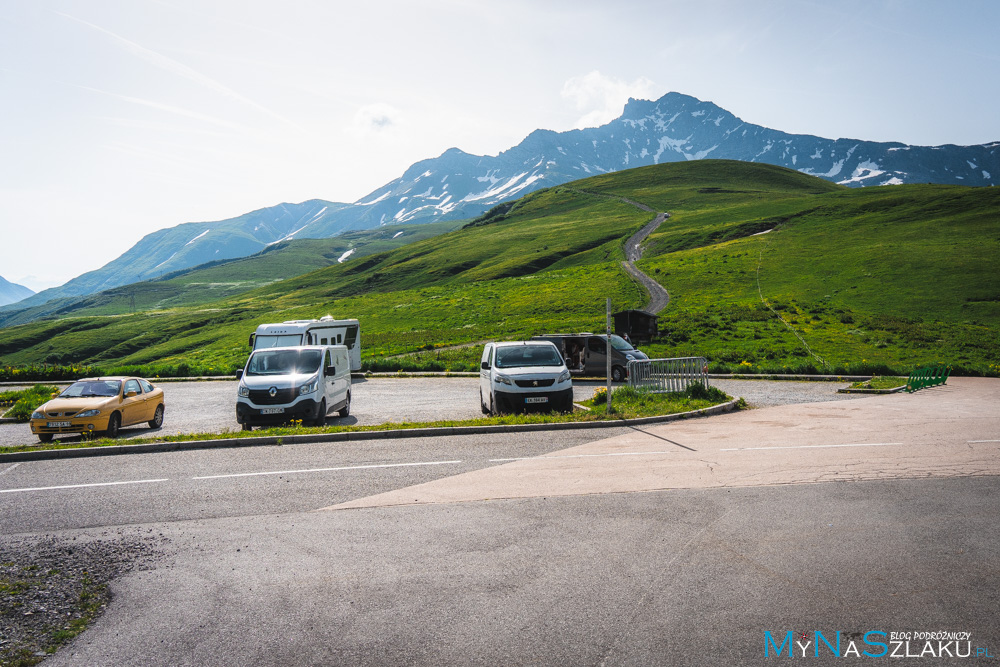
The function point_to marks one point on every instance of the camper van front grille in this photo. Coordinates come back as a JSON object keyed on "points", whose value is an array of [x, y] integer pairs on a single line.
{"points": [[535, 383], [263, 396]]}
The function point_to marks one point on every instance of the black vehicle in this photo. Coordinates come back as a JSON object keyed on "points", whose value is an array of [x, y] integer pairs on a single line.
{"points": [[587, 353]]}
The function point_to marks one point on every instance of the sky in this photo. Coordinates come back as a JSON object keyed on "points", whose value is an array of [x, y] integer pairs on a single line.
{"points": [[122, 117]]}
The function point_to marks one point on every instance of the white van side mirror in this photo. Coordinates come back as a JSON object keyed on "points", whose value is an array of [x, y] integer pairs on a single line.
{"points": [[485, 365]]}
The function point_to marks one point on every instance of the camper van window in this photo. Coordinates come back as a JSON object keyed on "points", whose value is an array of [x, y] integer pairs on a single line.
{"points": [[322, 341], [287, 340], [284, 362], [620, 343], [338, 339]]}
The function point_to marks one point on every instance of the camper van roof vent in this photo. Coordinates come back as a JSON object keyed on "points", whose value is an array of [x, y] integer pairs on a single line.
{"points": [[325, 318]]}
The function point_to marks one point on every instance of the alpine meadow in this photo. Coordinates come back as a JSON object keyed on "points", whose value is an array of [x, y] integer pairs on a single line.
{"points": [[769, 270]]}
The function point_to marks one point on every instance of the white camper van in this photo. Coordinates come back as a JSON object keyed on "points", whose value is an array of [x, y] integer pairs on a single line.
{"points": [[324, 331], [280, 384]]}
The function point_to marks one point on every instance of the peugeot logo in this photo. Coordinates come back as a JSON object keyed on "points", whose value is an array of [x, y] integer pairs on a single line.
{"points": [[272, 392], [535, 383]]}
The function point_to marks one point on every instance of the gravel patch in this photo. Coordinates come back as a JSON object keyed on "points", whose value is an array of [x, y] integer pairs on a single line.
{"points": [[768, 393], [50, 590]]}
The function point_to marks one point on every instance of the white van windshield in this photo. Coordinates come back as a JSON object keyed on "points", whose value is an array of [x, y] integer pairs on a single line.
{"points": [[620, 343], [528, 355], [284, 362]]}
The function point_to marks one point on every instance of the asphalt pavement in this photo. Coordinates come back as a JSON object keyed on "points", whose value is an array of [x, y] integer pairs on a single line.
{"points": [[681, 543]]}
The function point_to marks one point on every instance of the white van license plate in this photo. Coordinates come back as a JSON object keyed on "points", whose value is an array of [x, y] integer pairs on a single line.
{"points": [[58, 424], [271, 411], [536, 399]]}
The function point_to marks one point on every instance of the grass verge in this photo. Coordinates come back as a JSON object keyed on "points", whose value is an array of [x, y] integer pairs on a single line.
{"points": [[880, 382], [23, 402]]}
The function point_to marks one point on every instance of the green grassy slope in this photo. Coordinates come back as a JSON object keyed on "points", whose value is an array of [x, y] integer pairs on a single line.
{"points": [[899, 276], [848, 279], [216, 281]]}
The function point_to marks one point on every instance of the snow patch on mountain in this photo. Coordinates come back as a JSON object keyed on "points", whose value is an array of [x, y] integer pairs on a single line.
{"points": [[197, 237]]}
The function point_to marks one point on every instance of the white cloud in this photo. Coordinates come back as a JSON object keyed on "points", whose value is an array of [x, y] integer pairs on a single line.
{"points": [[602, 98], [375, 120]]}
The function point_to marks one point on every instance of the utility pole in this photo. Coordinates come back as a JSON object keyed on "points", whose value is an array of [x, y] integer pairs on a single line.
{"points": [[607, 349]]}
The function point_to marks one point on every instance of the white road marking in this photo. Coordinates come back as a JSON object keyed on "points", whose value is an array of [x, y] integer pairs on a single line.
{"points": [[862, 444], [978, 441], [4, 472], [366, 467], [82, 486], [582, 456]]}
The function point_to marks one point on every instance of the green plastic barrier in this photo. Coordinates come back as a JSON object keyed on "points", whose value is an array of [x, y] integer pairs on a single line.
{"points": [[931, 376]]}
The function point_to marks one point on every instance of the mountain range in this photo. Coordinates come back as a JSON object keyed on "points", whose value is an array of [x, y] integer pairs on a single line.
{"points": [[12, 292], [458, 185]]}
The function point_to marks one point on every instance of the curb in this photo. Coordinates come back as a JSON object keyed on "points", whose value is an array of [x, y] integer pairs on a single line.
{"points": [[894, 390], [114, 450]]}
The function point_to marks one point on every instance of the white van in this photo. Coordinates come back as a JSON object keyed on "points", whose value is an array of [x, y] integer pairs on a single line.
{"points": [[515, 377], [324, 331], [306, 382]]}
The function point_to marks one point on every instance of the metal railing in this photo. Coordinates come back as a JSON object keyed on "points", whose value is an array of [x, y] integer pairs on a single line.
{"points": [[930, 376], [667, 375]]}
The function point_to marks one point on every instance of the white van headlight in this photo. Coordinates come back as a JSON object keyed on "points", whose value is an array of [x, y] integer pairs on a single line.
{"points": [[309, 387], [244, 391], [503, 379], [563, 377]]}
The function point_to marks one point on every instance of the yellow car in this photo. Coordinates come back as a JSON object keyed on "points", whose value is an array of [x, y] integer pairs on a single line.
{"points": [[99, 405]]}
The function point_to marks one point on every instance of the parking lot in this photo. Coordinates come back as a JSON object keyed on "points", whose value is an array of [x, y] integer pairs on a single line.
{"points": [[209, 407]]}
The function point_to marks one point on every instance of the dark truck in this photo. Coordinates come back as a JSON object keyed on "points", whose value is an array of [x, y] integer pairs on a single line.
{"points": [[587, 353]]}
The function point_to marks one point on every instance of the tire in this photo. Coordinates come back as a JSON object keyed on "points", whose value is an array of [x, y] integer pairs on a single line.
{"points": [[346, 410], [617, 373], [320, 414], [482, 404], [157, 420], [44, 437], [246, 426], [114, 424]]}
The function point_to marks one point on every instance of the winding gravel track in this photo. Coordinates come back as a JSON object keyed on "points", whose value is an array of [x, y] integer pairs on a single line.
{"points": [[659, 298]]}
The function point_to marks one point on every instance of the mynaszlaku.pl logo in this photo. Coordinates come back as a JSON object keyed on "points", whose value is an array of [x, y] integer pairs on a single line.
{"points": [[872, 644]]}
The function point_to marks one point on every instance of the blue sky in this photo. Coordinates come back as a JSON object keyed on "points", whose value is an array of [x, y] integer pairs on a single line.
{"points": [[121, 117]]}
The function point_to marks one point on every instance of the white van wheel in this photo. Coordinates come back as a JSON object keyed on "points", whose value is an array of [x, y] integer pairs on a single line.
{"points": [[482, 404], [321, 414], [346, 410]]}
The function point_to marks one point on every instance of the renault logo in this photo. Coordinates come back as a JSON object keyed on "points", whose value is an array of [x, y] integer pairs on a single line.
{"points": [[272, 392]]}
